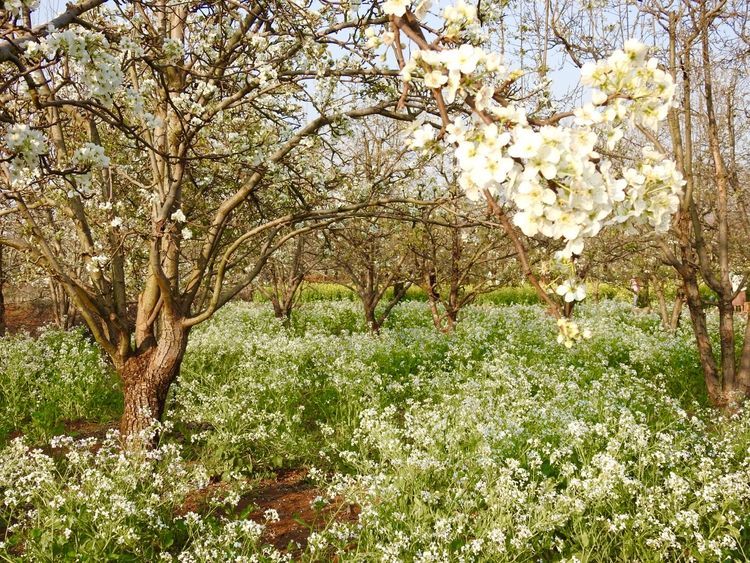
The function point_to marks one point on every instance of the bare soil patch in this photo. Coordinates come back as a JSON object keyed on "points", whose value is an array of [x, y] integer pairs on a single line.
{"points": [[30, 316], [291, 494]]}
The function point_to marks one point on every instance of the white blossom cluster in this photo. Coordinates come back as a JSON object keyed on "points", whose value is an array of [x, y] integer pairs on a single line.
{"points": [[27, 145], [90, 155], [571, 290], [569, 331], [459, 18], [395, 7], [560, 186], [97, 68], [630, 85], [453, 69], [16, 7], [172, 50]]}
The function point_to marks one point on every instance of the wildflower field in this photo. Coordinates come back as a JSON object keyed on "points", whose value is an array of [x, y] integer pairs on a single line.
{"points": [[493, 443]]}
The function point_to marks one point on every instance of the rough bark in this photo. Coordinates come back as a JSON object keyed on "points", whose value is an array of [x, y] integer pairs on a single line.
{"points": [[283, 299], [146, 379], [663, 314], [702, 340], [726, 384], [670, 320], [2, 295], [743, 373], [370, 317]]}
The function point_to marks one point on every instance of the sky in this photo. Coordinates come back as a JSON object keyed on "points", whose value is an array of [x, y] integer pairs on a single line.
{"points": [[563, 74]]}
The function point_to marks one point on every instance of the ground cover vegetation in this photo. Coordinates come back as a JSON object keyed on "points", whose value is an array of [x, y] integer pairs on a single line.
{"points": [[374, 281], [491, 443]]}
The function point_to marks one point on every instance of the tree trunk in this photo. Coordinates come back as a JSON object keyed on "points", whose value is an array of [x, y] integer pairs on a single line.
{"points": [[146, 379], [663, 314], [674, 322], [278, 311], [705, 352], [372, 321], [644, 297], [282, 310], [62, 307], [726, 338], [451, 318], [2, 295], [743, 373]]}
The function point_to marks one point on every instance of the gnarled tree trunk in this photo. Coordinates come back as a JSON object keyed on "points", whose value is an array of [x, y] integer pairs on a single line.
{"points": [[370, 317], [679, 302], [2, 295], [147, 377]]}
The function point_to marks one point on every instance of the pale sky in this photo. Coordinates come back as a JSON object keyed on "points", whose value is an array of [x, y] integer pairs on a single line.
{"points": [[563, 73]]}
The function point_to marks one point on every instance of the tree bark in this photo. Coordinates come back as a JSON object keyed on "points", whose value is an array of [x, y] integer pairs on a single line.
{"points": [[282, 309], [743, 373], [62, 308], [679, 301], [372, 321], [146, 379], [703, 341], [278, 310], [726, 339], [3, 325], [451, 317], [663, 314]]}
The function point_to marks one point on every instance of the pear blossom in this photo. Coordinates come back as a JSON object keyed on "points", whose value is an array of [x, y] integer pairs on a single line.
{"points": [[483, 97], [28, 144], [570, 332], [461, 11], [557, 182], [465, 58], [90, 155], [527, 143], [435, 79], [178, 216], [395, 7], [570, 290], [598, 97], [422, 136], [90, 59]]}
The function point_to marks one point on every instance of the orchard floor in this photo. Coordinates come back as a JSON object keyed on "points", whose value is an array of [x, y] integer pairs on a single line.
{"points": [[27, 317], [322, 442]]}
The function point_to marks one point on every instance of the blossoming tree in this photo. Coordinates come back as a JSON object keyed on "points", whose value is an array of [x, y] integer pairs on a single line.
{"points": [[707, 245], [154, 141], [541, 175], [370, 255], [154, 144], [458, 253]]}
